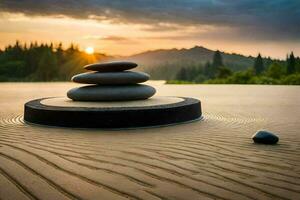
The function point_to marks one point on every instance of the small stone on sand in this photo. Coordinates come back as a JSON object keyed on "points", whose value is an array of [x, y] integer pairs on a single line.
{"points": [[265, 137]]}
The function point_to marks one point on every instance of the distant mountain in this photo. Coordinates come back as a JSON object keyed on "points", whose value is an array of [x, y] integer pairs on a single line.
{"points": [[164, 64]]}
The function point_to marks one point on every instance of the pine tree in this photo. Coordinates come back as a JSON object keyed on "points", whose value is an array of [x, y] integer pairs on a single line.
{"points": [[291, 64], [297, 65], [275, 70], [258, 65], [47, 66], [60, 54], [208, 70], [182, 74], [216, 65], [217, 60], [224, 72]]}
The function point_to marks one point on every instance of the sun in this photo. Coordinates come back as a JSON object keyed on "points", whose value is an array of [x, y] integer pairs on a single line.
{"points": [[89, 50]]}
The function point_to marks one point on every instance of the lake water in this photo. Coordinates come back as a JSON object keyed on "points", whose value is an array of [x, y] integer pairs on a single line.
{"points": [[214, 158]]}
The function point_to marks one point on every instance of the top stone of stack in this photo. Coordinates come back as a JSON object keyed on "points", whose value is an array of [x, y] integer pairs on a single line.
{"points": [[116, 66]]}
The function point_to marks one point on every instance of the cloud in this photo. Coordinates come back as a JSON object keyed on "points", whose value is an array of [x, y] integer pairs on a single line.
{"points": [[115, 38], [158, 27], [106, 38], [111, 39], [257, 19]]}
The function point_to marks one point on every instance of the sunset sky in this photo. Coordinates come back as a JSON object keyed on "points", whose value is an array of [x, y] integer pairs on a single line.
{"points": [[124, 27]]}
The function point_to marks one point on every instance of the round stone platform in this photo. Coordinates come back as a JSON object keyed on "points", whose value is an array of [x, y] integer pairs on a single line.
{"points": [[156, 111]]}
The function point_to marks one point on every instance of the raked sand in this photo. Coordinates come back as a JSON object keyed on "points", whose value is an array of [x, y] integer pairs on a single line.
{"points": [[214, 158]]}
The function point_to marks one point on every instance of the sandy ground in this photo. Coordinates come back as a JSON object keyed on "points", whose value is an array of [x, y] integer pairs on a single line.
{"points": [[210, 159]]}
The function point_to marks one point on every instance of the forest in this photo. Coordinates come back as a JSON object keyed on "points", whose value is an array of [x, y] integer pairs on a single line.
{"points": [[52, 62], [261, 72], [43, 62]]}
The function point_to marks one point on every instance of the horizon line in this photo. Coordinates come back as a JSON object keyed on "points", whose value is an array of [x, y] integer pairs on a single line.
{"points": [[142, 52]]}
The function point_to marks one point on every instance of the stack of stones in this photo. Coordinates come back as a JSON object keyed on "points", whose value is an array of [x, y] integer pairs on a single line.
{"points": [[111, 82]]}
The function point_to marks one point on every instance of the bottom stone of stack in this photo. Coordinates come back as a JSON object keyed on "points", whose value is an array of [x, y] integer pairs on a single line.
{"points": [[111, 93], [156, 111]]}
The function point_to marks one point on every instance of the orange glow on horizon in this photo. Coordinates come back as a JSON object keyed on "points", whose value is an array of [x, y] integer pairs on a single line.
{"points": [[89, 50]]}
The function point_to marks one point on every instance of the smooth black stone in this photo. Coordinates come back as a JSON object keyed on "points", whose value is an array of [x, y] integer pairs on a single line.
{"points": [[265, 137], [116, 66], [111, 93], [38, 113], [111, 78]]}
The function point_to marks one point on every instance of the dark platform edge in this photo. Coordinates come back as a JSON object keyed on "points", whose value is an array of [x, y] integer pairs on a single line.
{"points": [[112, 118]]}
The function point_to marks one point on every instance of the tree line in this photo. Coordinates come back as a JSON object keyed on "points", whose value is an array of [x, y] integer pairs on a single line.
{"points": [[263, 71], [42, 62], [51, 62]]}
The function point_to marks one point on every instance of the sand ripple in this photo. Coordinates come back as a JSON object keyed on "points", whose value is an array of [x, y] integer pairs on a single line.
{"points": [[12, 120], [209, 159]]}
